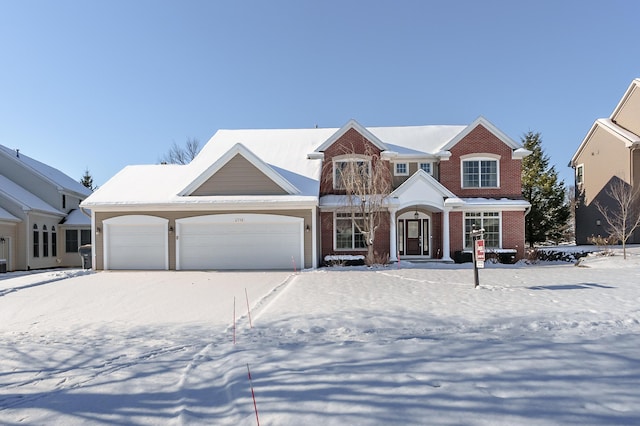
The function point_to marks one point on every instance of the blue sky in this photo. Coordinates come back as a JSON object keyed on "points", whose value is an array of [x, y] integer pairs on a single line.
{"points": [[103, 84]]}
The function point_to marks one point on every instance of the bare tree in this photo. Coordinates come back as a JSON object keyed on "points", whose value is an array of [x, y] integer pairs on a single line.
{"points": [[624, 218], [365, 181], [182, 154]]}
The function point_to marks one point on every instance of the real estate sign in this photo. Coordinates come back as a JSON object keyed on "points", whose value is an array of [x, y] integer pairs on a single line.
{"points": [[479, 253]]}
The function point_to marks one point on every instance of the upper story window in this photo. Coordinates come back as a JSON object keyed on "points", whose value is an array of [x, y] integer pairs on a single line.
{"points": [[349, 172], [480, 172], [401, 169], [426, 167], [64, 201], [579, 174]]}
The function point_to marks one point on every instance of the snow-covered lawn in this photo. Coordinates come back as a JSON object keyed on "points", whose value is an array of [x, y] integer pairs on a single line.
{"points": [[416, 345]]}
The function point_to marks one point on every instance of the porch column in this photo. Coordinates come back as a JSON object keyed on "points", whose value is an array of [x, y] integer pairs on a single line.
{"points": [[445, 236], [393, 240]]}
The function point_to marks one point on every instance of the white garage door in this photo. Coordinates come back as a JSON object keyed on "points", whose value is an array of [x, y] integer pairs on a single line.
{"points": [[240, 241], [135, 242]]}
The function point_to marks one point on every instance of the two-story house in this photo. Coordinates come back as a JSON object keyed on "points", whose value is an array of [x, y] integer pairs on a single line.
{"points": [[41, 225], [261, 199], [609, 152]]}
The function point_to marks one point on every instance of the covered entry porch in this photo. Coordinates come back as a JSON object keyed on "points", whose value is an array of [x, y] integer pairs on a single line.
{"points": [[419, 219]]}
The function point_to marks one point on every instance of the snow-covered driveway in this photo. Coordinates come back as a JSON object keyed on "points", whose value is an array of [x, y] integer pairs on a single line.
{"points": [[533, 345]]}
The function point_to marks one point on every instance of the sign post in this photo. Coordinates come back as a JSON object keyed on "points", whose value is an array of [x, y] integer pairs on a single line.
{"points": [[478, 252]]}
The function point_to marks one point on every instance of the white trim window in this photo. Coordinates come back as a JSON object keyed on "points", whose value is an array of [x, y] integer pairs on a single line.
{"points": [[346, 232], [579, 174], [401, 169], [480, 172], [490, 222], [427, 167], [350, 168]]}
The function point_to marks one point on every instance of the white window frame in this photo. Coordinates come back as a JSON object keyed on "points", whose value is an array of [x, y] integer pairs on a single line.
{"points": [[482, 215], [430, 167], [579, 174], [354, 230], [480, 158], [347, 159], [396, 172]]}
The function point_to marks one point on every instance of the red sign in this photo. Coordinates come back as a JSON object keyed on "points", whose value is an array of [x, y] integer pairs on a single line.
{"points": [[480, 250]]}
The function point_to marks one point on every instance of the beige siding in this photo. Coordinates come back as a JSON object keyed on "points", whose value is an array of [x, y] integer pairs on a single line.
{"points": [[9, 231], [173, 216], [629, 114], [239, 177], [602, 148]]}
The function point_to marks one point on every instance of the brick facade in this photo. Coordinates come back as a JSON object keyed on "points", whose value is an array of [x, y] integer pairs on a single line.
{"points": [[479, 141]]}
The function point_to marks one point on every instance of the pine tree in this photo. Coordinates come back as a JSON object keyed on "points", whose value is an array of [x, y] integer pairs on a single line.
{"points": [[540, 186], [87, 180]]}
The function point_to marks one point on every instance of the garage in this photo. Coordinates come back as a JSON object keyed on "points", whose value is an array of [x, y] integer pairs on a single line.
{"points": [[239, 241], [136, 242]]}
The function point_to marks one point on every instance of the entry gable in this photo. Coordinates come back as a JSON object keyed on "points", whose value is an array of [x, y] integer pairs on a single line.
{"points": [[240, 172], [423, 188]]}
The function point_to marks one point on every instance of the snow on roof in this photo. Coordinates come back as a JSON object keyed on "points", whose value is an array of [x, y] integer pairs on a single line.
{"points": [[284, 150], [140, 184], [24, 198], [411, 140], [6, 216], [77, 218], [503, 203], [52, 174]]}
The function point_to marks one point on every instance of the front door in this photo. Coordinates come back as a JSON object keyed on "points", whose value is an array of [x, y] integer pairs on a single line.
{"points": [[414, 237]]}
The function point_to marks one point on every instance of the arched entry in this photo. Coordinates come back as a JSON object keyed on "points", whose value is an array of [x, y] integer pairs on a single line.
{"points": [[414, 234]]}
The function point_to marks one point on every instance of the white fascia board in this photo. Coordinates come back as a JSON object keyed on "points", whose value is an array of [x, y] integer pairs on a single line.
{"points": [[504, 204], [487, 125], [629, 137], [352, 124], [520, 153], [315, 156], [635, 84], [249, 156], [443, 155], [226, 204]]}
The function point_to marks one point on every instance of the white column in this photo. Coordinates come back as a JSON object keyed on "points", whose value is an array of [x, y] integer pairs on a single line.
{"points": [[314, 235], [393, 239], [445, 236]]}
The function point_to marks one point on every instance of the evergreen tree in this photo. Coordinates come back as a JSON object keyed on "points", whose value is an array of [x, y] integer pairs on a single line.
{"points": [[87, 180], [540, 186]]}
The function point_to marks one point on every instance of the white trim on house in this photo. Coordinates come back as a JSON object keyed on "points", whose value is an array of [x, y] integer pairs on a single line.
{"points": [[352, 124], [148, 245], [240, 149], [239, 241], [487, 125]]}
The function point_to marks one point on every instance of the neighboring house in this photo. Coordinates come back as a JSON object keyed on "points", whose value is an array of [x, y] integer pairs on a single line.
{"points": [[609, 152], [256, 199], [40, 222]]}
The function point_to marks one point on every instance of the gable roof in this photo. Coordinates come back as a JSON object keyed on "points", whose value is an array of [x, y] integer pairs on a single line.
{"points": [[635, 84], [481, 121], [25, 199], [624, 136], [352, 124], [240, 149], [282, 154], [46, 172]]}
